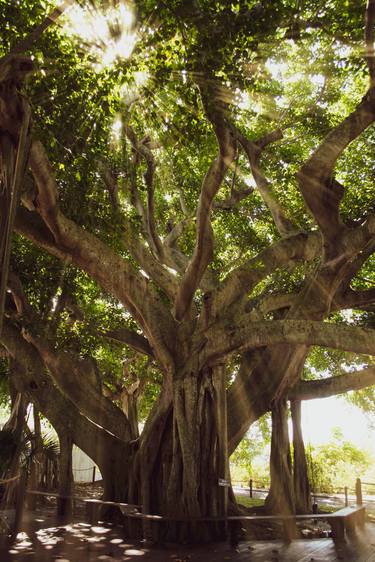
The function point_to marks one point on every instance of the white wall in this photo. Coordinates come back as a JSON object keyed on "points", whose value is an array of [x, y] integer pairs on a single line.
{"points": [[83, 467]]}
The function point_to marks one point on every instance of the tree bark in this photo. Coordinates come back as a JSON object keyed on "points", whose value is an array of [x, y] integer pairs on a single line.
{"points": [[36, 461], [180, 473], [302, 491], [110, 453], [66, 480], [280, 499]]}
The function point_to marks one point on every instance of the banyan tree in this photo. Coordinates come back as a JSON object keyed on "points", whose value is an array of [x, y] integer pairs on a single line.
{"points": [[202, 197]]}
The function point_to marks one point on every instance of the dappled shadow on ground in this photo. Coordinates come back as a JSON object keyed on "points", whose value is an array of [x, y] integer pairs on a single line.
{"points": [[44, 539]]}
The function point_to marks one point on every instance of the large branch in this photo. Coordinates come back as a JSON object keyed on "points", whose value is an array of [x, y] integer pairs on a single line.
{"points": [[112, 272], [268, 371], [322, 388], [353, 243], [254, 151], [259, 307], [148, 215], [321, 192], [77, 379], [150, 262], [363, 300], [31, 226], [287, 251], [222, 340], [31, 378], [166, 252], [162, 254], [363, 252], [151, 265], [132, 339], [203, 251]]}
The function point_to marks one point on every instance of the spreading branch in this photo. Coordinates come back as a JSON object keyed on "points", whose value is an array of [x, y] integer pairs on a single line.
{"points": [[363, 300], [30, 377], [287, 251], [258, 308], [175, 232], [132, 339], [321, 191], [148, 215], [222, 340], [150, 264], [203, 251], [254, 151], [331, 386], [66, 368], [97, 259], [164, 253]]}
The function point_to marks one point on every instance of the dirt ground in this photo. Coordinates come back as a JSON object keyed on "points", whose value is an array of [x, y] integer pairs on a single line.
{"points": [[43, 538]]}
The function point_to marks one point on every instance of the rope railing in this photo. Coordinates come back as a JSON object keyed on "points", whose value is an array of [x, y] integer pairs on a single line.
{"points": [[91, 469]]}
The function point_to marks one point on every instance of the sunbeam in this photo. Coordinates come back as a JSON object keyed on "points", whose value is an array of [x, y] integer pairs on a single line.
{"points": [[108, 34]]}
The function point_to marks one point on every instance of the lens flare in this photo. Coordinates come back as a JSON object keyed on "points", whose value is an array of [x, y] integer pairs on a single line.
{"points": [[108, 34]]}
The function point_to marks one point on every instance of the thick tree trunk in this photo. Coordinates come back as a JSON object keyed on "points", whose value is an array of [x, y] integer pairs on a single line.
{"points": [[191, 459], [302, 491], [11, 463], [129, 403], [36, 461], [280, 498], [66, 480]]}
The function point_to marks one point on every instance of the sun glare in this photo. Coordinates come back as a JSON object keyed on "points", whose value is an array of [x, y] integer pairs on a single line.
{"points": [[116, 130], [247, 102], [108, 34]]}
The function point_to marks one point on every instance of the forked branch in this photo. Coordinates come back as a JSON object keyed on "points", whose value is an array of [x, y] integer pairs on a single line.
{"points": [[203, 251], [96, 258], [321, 191], [254, 151], [148, 215]]}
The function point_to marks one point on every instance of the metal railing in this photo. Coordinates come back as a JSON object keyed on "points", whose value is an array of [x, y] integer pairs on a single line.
{"points": [[361, 490]]}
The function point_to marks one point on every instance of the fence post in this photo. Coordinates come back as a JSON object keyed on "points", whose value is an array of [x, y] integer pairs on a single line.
{"points": [[93, 473], [358, 491], [251, 487], [346, 496]]}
